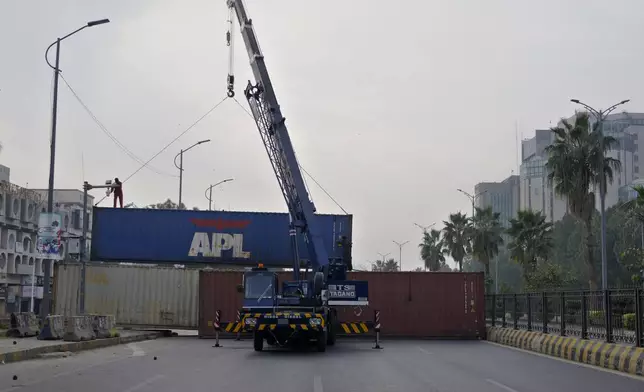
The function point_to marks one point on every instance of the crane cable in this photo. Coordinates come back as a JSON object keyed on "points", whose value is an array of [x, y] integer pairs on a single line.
{"points": [[302, 168], [169, 144], [230, 81], [103, 128]]}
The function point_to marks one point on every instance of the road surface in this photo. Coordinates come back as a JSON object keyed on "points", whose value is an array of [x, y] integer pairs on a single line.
{"points": [[189, 364]]}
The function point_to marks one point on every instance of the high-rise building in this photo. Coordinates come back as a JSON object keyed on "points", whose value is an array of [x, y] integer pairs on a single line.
{"points": [[537, 194], [20, 209], [627, 129], [502, 196]]}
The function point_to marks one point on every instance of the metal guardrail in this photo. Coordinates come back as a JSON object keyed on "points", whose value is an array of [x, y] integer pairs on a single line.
{"points": [[615, 316]]}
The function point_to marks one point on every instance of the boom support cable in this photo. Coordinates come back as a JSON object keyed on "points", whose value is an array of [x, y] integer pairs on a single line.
{"points": [[109, 134], [171, 142], [298, 163]]}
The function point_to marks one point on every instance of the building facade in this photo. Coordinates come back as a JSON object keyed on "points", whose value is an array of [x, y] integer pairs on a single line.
{"points": [[537, 194], [502, 197], [20, 209]]}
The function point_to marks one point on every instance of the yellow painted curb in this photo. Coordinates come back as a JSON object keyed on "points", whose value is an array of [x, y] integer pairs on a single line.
{"points": [[620, 357]]}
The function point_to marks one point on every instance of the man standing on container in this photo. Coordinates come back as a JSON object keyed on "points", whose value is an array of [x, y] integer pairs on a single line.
{"points": [[117, 188]]}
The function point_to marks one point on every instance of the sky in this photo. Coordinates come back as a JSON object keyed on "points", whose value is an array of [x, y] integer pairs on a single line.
{"points": [[391, 109]]}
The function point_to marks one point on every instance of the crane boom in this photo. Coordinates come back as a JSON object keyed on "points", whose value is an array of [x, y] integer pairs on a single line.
{"points": [[272, 128]]}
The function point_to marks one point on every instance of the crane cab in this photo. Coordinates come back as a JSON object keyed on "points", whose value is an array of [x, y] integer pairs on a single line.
{"points": [[259, 288]]}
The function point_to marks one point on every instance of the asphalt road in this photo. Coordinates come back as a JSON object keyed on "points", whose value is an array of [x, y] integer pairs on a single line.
{"points": [[189, 364]]}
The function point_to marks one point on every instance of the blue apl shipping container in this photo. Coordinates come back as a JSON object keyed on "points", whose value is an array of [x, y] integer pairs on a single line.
{"points": [[180, 236]]}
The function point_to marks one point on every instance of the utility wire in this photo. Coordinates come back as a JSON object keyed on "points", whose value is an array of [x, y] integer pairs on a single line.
{"points": [[298, 163], [110, 135], [171, 142]]}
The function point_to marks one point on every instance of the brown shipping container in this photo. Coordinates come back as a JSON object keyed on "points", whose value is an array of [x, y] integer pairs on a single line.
{"points": [[411, 304]]}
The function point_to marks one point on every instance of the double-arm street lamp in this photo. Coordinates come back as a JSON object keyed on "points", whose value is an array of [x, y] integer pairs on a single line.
{"points": [[400, 245], [180, 167], [601, 115], [44, 308], [472, 198]]}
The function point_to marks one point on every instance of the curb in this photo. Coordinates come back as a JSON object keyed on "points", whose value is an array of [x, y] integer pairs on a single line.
{"points": [[35, 352], [620, 357]]}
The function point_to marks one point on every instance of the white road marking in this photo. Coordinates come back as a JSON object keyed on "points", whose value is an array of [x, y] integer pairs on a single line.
{"points": [[425, 351], [588, 366], [504, 387], [136, 350], [317, 384], [144, 383]]}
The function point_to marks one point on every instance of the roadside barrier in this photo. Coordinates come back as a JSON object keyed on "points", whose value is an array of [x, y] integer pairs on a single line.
{"points": [[104, 326], [79, 328], [217, 327], [376, 327], [53, 328], [23, 325]]}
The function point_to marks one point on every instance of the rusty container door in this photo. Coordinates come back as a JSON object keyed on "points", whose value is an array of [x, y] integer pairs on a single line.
{"points": [[218, 291], [423, 304]]}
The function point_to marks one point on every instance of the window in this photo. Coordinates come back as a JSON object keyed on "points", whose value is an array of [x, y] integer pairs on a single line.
{"points": [[76, 219]]}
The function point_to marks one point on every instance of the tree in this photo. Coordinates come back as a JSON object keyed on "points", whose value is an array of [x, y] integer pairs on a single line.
{"points": [[549, 276], [531, 240], [390, 265], [485, 236], [432, 250], [574, 166], [169, 205], [456, 236]]}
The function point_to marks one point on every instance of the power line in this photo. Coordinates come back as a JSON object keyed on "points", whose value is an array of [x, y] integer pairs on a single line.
{"points": [[298, 163], [171, 142], [109, 134]]}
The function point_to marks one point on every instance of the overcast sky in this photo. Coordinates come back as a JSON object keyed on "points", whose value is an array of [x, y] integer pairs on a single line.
{"points": [[390, 107]]}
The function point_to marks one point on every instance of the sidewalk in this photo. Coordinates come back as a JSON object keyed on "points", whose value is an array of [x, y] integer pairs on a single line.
{"points": [[29, 348]]}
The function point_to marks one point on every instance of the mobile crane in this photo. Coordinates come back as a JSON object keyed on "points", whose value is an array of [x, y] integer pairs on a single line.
{"points": [[305, 308]]}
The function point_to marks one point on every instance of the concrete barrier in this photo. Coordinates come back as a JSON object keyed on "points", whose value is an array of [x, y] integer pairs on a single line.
{"points": [[620, 357], [104, 326], [23, 325], [53, 328], [79, 328]]}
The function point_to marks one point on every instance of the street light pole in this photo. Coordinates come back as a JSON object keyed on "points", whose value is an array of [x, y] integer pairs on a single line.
{"points": [[44, 308], [383, 257], [601, 116], [180, 167], [208, 192], [472, 198], [424, 228], [400, 245]]}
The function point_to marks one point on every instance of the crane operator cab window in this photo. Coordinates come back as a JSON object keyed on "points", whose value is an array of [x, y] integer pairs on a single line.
{"points": [[258, 286]]}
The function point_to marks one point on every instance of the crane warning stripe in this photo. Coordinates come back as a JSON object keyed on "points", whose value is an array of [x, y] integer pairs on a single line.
{"points": [[354, 328]]}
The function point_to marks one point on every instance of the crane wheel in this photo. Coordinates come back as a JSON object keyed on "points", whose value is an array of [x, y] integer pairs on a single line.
{"points": [[258, 342]]}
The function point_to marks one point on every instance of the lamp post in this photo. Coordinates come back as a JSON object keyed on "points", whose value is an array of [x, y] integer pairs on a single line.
{"points": [[424, 228], [180, 167], [208, 192], [400, 245], [383, 257], [44, 308], [472, 198], [600, 115]]}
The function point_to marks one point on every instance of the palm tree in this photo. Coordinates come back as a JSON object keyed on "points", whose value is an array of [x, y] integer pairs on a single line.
{"points": [[531, 240], [486, 236], [574, 166], [456, 237], [390, 265], [432, 250]]}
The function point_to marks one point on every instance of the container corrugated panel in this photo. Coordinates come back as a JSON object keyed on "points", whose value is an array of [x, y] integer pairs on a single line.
{"points": [[136, 295], [413, 304], [181, 236]]}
